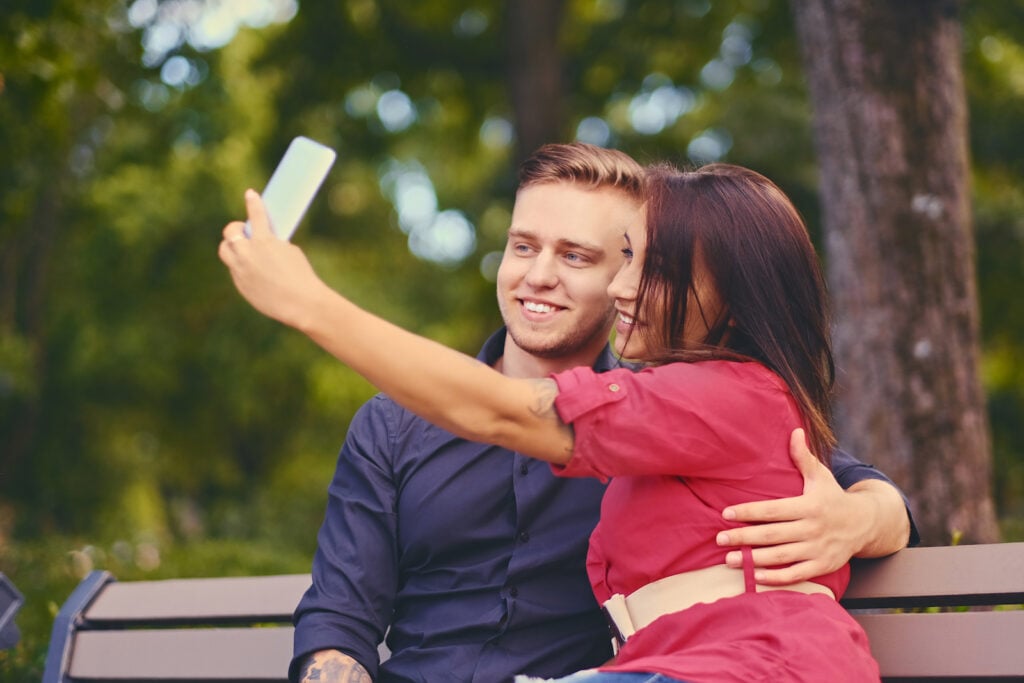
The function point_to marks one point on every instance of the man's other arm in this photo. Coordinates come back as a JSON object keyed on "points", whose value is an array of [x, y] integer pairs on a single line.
{"points": [[348, 606], [819, 531]]}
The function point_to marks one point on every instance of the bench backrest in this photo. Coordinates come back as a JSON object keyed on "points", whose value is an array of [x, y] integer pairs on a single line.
{"points": [[944, 612], [219, 629], [239, 629]]}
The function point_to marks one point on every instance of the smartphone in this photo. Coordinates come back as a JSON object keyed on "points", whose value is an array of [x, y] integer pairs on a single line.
{"points": [[294, 183]]}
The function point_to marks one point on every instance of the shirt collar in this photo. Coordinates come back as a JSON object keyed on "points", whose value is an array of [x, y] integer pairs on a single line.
{"points": [[494, 348]]}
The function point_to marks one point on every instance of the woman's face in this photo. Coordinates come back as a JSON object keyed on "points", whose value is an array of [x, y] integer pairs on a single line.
{"points": [[630, 330], [636, 332]]}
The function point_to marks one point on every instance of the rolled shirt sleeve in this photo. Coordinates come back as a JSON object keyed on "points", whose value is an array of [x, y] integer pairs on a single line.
{"points": [[641, 423]]}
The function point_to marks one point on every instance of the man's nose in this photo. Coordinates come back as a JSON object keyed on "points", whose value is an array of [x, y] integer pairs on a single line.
{"points": [[543, 272]]}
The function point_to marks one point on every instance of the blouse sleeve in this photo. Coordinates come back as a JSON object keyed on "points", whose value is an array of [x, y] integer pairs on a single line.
{"points": [[708, 419]]}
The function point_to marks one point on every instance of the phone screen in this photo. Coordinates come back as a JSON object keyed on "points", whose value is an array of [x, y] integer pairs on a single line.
{"points": [[294, 183]]}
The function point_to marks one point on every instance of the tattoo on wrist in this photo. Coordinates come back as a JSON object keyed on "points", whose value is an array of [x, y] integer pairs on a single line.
{"points": [[332, 667]]}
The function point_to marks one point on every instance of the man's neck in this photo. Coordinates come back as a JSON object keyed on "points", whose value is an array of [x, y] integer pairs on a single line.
{"points": [[515, 362]]}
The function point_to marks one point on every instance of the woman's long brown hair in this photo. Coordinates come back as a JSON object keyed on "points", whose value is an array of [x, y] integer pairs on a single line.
{"points": [[754, 246]]}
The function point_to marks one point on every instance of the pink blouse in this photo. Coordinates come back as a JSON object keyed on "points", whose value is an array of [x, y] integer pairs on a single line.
{"points": [[680, 443]]}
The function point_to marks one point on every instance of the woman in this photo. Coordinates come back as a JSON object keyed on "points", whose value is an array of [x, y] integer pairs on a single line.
{"points": [[722, 295]]}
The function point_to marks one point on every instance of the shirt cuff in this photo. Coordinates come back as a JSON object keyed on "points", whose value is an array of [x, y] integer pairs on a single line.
{"points": [[581, 392]]}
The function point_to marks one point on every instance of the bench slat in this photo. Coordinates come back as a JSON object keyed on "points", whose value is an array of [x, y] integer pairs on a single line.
{"points": [[243, 598], [954, 644], [222, 654], [953, 575]]}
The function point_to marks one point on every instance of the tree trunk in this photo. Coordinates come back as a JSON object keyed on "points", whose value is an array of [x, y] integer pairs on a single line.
{"points": [[25, 276], [886, 83], [535, 80]]}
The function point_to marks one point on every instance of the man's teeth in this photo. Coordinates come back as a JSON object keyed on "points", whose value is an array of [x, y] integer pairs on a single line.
{"points": [[536, 307], [626, 319]]}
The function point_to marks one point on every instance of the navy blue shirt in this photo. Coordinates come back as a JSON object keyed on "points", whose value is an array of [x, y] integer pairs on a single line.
{"points": [[473, 555]]}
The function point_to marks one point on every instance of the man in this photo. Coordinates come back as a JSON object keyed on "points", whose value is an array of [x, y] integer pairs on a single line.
{"points": [[474, 556]]}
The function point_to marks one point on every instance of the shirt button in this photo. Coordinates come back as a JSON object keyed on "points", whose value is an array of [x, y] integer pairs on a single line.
{"points": [[613, 387], [524, 536], [513, 591], [524, 469]]}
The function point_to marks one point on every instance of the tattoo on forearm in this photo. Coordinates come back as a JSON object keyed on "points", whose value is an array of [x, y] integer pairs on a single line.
{"points": [[544, 395], [331, 666]]}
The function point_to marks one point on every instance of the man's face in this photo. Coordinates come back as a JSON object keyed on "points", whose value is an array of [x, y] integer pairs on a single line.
{"points": [[564, 247]]}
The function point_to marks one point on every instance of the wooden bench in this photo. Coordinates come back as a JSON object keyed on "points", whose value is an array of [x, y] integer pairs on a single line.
{"points": [[216, 629], [950, 613]]}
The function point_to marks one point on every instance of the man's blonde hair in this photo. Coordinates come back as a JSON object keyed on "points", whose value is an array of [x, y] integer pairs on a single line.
{"points": [[591, 166]]}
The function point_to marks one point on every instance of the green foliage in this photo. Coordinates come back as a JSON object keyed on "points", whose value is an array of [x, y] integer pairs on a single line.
{"points": [[994, 63]]}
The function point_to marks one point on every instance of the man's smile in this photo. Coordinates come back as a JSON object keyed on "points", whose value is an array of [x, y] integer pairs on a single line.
{"points": [[539, 306]]}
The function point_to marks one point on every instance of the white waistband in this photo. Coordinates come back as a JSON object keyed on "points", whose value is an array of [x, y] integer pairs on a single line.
{"points": [[629, 614]]}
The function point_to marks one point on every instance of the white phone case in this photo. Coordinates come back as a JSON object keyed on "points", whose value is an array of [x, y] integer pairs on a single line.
{"points": [[294, 183]]}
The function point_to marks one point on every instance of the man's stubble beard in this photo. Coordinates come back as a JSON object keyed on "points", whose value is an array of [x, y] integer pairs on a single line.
{"points": [[568, 344]]}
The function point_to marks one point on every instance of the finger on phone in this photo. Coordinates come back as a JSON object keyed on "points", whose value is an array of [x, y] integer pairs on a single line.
{"points": [[257, 225]]}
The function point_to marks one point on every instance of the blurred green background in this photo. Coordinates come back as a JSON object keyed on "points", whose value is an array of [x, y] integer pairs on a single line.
{"points": [[153, 424]]}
